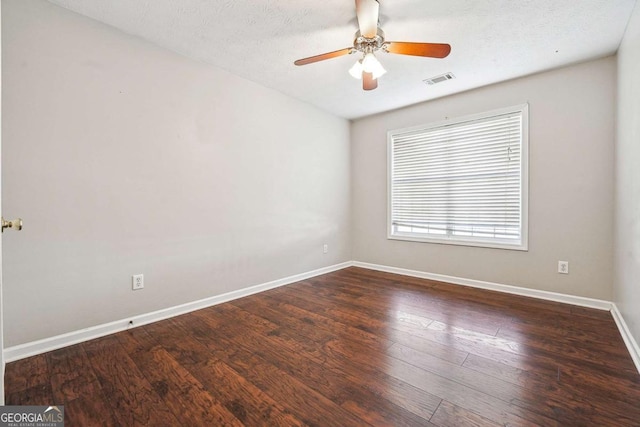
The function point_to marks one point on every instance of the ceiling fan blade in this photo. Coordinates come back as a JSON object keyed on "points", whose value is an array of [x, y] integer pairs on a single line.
{"points": [[328, 55], [367, 11], [368, 82], [431, 50]]}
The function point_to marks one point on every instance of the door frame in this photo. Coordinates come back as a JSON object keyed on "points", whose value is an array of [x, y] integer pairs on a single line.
{"points": [[2, 364]]}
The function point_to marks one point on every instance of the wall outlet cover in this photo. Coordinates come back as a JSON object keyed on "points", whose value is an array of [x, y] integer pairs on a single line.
{"points": [[137, 282], [563, 267]]}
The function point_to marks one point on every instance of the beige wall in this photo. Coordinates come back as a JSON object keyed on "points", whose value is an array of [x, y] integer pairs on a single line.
{"points": [[572, 113], [627, 161], [124, 158]]}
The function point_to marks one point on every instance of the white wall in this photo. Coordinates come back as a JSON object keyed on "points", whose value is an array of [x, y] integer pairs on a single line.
{"points": [[627, 161], [124, 158], [572, 114]]}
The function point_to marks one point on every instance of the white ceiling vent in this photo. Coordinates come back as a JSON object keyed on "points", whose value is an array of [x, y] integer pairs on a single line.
{"points": [[439, 79]]}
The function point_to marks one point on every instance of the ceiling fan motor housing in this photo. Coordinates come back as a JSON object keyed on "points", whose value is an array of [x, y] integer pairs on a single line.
{"points": [[368, 45]]}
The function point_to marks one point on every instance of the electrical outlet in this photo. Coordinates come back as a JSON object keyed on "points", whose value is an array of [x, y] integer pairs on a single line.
{"points": [[325, 248], [137, 281], [563, 267]]}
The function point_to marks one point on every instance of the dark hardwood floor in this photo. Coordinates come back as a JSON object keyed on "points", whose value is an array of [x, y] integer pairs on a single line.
{"points": [[350, 348]]}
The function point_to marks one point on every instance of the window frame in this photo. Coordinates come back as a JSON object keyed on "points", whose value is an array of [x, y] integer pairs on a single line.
{"points": [[523, 243]]}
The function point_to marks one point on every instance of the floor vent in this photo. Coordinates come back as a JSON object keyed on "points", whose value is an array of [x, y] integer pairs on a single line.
{"points": [[439, 79]]}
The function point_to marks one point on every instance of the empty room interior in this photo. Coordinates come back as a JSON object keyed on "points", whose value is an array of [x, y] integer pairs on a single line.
{"points": [[328, 213]]}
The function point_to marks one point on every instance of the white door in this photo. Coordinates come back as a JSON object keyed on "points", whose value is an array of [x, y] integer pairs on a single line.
{"points": [[1, 306], [15, 224]]}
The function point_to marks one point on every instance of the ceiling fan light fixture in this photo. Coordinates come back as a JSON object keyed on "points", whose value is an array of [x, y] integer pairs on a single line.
{"points": [[370, 64], [356, 70], [380, 71]]}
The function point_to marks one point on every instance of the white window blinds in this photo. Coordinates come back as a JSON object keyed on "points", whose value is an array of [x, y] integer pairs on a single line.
{"points": [[461, 182]]}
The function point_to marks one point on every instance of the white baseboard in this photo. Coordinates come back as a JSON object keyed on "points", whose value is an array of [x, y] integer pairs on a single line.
{"points": [[632, 345], [515, 290], [53, 343]]}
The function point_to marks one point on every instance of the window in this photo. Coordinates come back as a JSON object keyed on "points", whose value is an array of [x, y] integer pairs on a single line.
{"points": [[461, 181]]}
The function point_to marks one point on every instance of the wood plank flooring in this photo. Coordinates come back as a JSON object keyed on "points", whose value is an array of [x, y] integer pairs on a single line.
{"points": [[350, 348]]}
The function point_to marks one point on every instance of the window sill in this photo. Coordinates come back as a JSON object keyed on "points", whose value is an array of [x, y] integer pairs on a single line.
{"points": [[520, 246]]}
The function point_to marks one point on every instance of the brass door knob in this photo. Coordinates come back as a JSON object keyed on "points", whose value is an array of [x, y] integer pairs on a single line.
{"points": [[16, 224]]}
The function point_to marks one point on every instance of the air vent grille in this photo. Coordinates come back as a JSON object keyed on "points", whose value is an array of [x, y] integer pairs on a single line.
{"points": [[439, 79]]}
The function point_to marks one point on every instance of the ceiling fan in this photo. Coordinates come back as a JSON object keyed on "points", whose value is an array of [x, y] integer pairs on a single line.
{"points": [[369, 39]]}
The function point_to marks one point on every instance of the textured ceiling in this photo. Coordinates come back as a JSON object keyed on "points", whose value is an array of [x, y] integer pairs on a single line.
{"points": [[492, 40]]}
